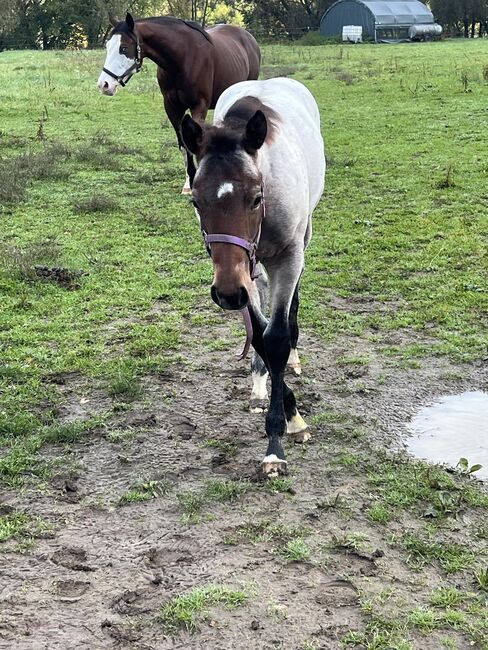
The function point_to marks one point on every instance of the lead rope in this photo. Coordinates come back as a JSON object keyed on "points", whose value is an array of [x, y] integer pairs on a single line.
{"points": [[246, 317]]}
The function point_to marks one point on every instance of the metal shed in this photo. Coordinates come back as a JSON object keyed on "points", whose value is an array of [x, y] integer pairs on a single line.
{"points": [[388, 21]]}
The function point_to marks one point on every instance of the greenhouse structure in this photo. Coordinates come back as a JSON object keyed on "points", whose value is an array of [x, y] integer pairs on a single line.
{"points": [[389, 21]]}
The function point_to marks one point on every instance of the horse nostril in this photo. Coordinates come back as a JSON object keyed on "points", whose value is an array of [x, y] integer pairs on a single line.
{"points": [[233, 301], [105, 85], [244, 297]]}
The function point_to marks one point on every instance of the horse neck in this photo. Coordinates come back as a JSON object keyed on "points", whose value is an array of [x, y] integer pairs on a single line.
{"points": [[164, 44]]}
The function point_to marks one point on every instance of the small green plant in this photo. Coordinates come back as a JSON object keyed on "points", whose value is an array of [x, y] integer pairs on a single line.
{"points": [[124, 382], [353, 541], [379, 513], [186, 610], [12, 525], [447, 180], [296, 550], [213, 491], [267, 531], [447, 597], [279, 485], [452, 557], [482, 579], [464, 467], [145, 491]]}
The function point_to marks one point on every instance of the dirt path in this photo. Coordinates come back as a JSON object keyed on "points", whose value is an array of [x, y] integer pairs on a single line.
{"points": [[99, 577]]}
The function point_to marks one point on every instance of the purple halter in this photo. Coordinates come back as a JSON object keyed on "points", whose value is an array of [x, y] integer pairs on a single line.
{"points": [[251, 248]]}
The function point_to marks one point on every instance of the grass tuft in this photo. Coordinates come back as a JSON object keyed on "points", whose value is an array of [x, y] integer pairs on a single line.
{"points": [[145, 491], [187, 610]]}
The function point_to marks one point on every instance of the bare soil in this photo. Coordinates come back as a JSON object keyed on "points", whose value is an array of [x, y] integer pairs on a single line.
{"points": [[99, 577]]}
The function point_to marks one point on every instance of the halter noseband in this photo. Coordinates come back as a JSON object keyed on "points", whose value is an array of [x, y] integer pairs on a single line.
{"points": [[251, 248], [135, 67]]}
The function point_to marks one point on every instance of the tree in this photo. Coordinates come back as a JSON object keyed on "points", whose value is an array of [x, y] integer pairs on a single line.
{"points": [[461, 16], [283, 16]]}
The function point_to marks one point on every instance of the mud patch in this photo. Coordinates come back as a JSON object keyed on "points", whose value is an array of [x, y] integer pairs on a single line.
{"points": [[102, 579]]}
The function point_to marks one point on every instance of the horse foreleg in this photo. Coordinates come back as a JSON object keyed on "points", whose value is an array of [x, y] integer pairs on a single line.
{"points": [[175, 111], [259, 371], [294, 360], [259, 392]]}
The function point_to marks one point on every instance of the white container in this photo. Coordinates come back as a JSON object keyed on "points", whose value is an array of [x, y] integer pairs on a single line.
{"points": [[352, 34]]}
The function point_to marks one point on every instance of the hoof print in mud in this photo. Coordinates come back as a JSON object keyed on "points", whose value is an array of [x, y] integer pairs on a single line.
{"points": [[70, 591], [72, 558], [272, 467]]}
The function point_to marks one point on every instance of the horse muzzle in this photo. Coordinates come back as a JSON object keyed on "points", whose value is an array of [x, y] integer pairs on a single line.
{"points": [[107, 87], [231, 302]]}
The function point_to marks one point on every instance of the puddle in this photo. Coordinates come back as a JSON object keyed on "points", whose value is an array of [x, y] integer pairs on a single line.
{"points": [[454, 427]]}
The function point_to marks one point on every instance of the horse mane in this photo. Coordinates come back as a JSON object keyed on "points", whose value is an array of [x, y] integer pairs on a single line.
{"points": [[123, 28]]}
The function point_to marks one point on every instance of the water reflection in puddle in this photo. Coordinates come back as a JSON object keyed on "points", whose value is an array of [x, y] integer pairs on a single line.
{"points": [[454, 427]]}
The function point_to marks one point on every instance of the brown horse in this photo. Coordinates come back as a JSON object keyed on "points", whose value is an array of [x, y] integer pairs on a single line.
{"points": [[195, 66]]}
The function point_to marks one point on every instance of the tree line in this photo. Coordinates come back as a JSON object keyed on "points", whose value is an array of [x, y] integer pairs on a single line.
{"points": [[468, 18], [55, 24]]}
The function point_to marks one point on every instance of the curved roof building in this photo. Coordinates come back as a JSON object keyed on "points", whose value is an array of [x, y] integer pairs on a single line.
{"points": [[381, 20]]}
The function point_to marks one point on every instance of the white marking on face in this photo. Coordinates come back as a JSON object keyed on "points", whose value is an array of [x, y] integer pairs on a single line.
{"points": [[225, 188], [116, 63]]}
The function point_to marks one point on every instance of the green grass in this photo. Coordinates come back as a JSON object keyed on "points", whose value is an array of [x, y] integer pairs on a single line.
{"points": [[12, 525], [144, 491], [296, 550], [219, 491], [389, 228], [451, 556], [187, 610]]}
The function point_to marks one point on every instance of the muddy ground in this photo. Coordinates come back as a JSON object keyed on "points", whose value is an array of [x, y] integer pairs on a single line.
{"points": [[97, 576]]}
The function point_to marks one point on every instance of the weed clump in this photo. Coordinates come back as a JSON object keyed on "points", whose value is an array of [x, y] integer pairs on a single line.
{"points": [[271, 71], [17, 173], [20, 263], [186, 610], [99, 203]]}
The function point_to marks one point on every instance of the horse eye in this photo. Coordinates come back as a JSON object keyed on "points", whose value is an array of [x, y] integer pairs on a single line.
{"points": [[257, 201], [124, 50]]}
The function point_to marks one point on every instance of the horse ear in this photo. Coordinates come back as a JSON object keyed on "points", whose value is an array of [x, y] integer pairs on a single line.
{"points": [[256, 130], [191, 134], [130, 21], [113, 20]]}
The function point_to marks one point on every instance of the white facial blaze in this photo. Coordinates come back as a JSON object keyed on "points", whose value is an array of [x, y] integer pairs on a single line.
{"points": [[225, 188], [116, 63]]}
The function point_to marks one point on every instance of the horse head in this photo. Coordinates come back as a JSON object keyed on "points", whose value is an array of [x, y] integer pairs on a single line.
{"points": [[227, 193], [123, 56]]}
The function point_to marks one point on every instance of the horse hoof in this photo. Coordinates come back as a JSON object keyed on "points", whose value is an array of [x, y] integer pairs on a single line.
{"points": [[272, 466], [297, 429], [258, 406], [293, 364], [295, 369], [299, 437], [186, 190]]}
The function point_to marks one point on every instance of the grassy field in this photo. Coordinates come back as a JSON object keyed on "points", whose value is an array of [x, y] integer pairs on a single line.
{"points": [[105, 293]]}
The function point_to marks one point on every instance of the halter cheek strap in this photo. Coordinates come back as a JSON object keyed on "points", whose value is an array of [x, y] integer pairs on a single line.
{"points": [[251, 247], [123, 79]]}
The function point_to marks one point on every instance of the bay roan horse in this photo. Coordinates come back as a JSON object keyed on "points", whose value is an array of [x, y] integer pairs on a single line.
{"points": [[260, 174], [195, 65]]}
